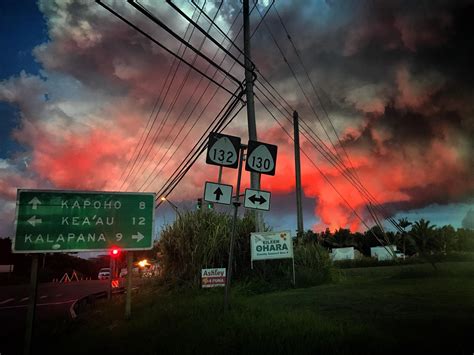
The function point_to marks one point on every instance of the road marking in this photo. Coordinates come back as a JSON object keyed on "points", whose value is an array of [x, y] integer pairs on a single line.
{"points": [[6, 301], [24, 299], [43, 297], [39, 304]]}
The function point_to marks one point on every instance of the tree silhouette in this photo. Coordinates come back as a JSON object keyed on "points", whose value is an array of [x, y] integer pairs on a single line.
{"points": [[424, 238]]}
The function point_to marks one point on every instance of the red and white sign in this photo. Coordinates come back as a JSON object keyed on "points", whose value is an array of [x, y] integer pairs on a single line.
{"points": [[115, 283], [213, 277]]}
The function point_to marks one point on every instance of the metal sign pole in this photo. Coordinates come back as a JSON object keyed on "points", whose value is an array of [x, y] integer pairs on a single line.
{"points": [[219, 179], [128, 300], [232, 236], [294, 277], [30, 317], [111, 277]]}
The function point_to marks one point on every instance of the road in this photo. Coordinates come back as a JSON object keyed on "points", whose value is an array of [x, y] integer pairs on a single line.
{"points": [[54, 301]]}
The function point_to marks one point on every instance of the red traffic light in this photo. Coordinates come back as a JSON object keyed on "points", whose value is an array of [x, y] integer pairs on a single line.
{"points": [[114, 252]]}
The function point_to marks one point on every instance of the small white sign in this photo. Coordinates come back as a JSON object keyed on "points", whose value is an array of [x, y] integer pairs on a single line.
{"points": [[257, 199], [213, 277], [218, 193], [271, 245]]}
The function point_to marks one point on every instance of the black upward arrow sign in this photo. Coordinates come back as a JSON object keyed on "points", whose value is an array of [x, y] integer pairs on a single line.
{"points": [[260, 199], [218, 193]]}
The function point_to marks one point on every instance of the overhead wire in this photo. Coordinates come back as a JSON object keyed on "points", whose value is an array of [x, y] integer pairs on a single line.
{"points": [[211, 98], [217, 125], [160, 95], [315, 91], [169, 159], [321, 148], [170, 185], [347, 172], [160, 23], [205, 33], [317, 168], [177, 94], [352, 171], [116, 14]]}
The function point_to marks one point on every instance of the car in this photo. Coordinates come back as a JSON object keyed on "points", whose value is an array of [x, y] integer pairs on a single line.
{"points": [[104, 273]]}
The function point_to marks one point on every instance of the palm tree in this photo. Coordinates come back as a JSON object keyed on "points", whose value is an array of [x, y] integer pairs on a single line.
{"points": [[423, 236]]}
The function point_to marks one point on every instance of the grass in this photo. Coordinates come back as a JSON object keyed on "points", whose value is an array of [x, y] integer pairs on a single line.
{"points": [[379, 310]]}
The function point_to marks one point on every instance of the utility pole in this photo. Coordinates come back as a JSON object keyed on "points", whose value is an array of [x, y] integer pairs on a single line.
{"points": [[299, 206], [252, 126]]}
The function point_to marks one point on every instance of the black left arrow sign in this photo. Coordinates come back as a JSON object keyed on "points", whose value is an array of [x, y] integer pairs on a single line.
{"points": [[218, 193], [260, 199]]}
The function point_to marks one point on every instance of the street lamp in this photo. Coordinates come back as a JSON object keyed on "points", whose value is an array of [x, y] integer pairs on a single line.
{"points": [[172, 205]]}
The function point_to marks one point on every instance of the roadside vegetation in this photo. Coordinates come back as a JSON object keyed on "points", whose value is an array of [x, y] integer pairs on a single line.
{"points": [[423, 304], [379, 310], [201, 239]]}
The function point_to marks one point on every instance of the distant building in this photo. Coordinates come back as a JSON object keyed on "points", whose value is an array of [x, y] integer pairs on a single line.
{"points": [[349, 253], [387, 252]]}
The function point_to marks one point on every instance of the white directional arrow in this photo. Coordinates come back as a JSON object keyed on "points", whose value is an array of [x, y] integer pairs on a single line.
{"points": [[138, 236], [35, 202], [33, 221]]}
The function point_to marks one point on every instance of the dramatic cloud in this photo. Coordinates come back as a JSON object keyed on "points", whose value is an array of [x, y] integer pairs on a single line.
{"points": [[394, 77]]}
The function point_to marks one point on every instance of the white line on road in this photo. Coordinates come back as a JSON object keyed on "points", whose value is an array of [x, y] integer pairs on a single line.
{"points": [[39, 304], [6, 301], [43, 297], [24, 299]]}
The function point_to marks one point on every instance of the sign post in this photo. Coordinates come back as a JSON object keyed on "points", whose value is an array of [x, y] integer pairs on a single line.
{"points": [[128, 300], [224, 150], [232, 235], [30, 317]]}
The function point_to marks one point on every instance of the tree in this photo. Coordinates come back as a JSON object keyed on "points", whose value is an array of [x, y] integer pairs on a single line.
{"points": [[424, 238]]}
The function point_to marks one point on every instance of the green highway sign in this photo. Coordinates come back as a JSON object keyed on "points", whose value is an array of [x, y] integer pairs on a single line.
{"points": [[50, 221]]}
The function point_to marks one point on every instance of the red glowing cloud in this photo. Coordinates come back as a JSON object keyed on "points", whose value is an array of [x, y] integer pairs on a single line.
{"points": [[403, 117]]}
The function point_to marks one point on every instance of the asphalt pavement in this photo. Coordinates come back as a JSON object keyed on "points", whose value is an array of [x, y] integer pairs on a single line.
{"points": [[54, 301]]}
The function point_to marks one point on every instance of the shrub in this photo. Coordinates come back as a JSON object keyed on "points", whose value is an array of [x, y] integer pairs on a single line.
{"points": [[313, 265], [200, 239]]}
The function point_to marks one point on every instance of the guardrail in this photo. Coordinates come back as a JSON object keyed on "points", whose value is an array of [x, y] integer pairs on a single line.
{"points": [[90, 300]]}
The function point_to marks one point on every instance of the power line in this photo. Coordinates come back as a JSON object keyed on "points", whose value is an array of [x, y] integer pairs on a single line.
{"points": [[187, 119], [157, 21], [205, 33], [160, 45], [352, 172], [175, 60], [315, 92], [217, 125], [253, 33], [319, 170], [321, 148], [169, 110]]}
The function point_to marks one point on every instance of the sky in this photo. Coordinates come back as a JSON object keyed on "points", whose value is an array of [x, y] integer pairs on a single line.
{"points": [[78, 88]]}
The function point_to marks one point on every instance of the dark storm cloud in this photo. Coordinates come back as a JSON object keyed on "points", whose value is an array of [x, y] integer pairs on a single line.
{"points": [[399, 73], [395, 76]]}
